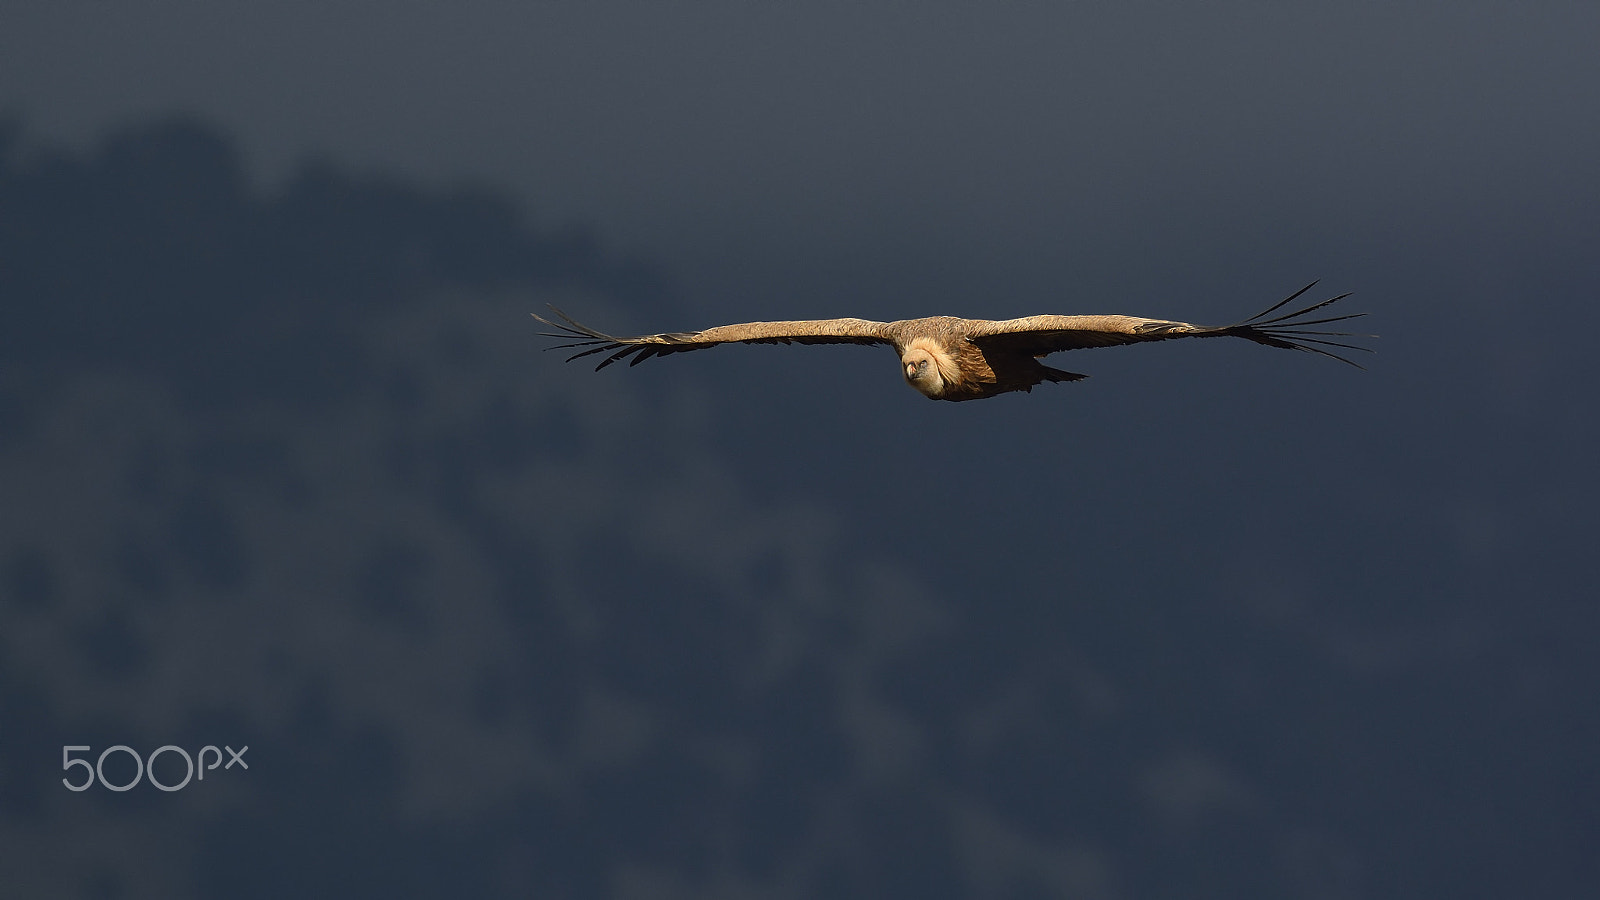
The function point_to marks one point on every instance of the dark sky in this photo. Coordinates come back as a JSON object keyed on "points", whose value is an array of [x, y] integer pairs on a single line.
{"points": [[734, 139], [281, 463]]}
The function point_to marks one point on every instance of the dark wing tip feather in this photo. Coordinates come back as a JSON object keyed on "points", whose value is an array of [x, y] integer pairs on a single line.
{"points": [[1289, 331], [599, 342], [569, 326], [1280, 304], [591, 351]]}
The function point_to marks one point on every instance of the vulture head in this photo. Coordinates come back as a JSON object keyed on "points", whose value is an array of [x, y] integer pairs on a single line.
{"points": [[921, 366]]}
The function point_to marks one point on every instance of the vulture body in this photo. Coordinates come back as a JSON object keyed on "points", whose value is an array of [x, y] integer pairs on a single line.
{"points": [[947, 358]]}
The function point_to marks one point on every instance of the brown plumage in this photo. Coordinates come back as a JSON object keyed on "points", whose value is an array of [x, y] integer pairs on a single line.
{"points": [[947, 358]]}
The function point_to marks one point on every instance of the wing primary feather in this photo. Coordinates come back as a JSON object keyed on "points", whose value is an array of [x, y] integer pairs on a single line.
{"points": [[1312, 308], [1276, 306], [1298, 339], [1297, 336], [1294, 330], [616, 356], [571, 323], [1320, 321], [1287, 331], [1321, 352], [601, 349], [600, 342], [1293, 343]]}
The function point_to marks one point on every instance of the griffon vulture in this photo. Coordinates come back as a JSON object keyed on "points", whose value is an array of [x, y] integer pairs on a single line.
{"points": [[946, 358]]}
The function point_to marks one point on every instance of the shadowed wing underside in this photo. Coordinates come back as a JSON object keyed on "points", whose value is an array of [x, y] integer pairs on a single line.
{"points": [[1039, 335]]}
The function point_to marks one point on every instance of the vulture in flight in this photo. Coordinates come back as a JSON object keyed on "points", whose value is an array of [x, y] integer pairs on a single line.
{"points": [[946, 358]]}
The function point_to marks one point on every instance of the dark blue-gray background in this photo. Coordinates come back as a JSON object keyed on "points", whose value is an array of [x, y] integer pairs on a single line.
{"points": [[281, 463]]}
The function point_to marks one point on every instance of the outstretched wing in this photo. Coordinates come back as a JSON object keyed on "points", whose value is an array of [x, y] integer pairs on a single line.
{"points": [[641, 348], [1039, 335]]}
